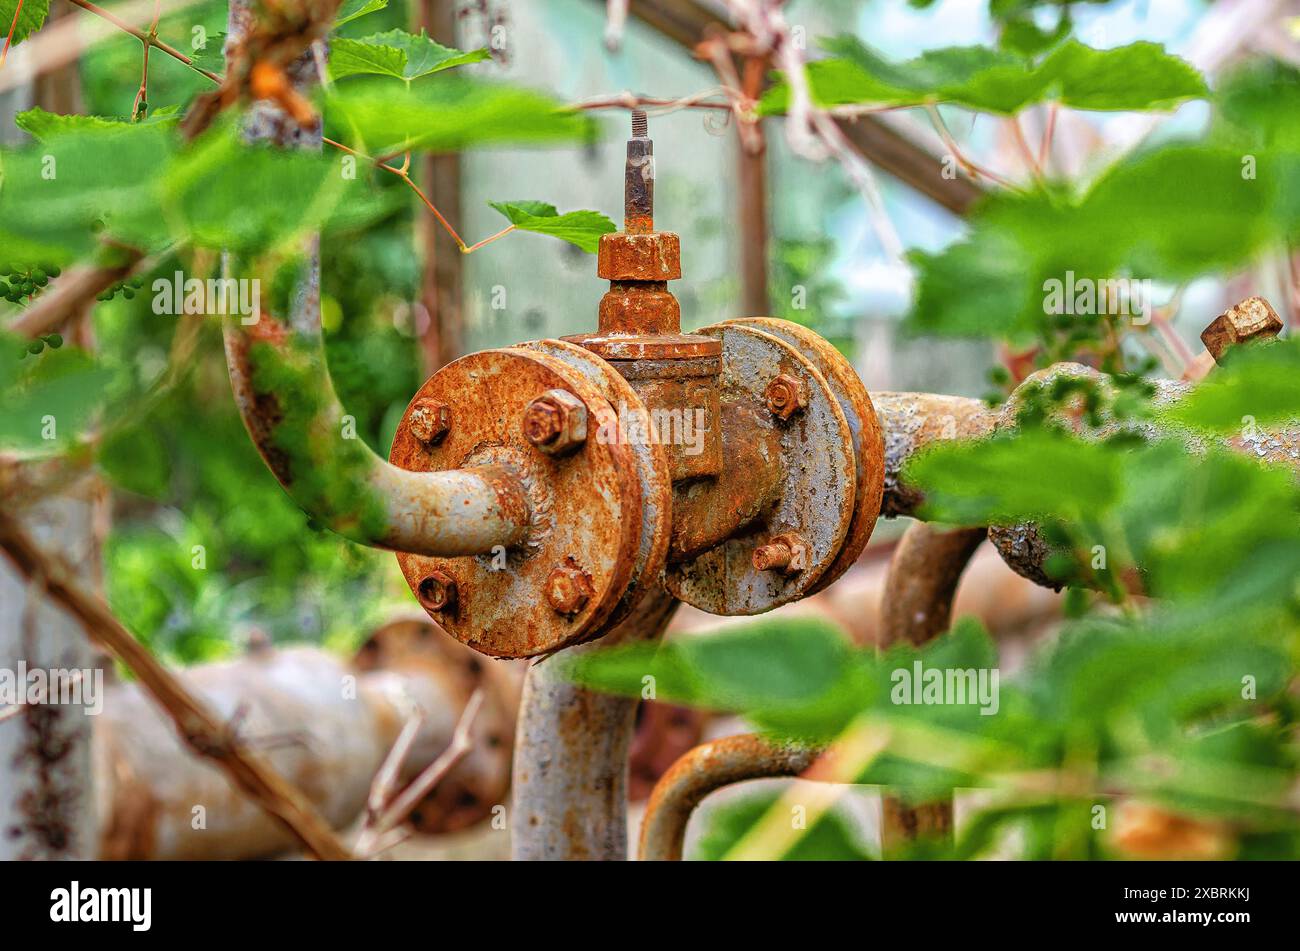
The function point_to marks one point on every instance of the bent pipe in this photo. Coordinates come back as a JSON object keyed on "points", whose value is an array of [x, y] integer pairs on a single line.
{"points": [[282, 388], [571, 754], [705, 769], [916, 608]]}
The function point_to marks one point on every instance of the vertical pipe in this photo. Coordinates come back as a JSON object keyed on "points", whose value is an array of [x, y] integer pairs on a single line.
{"points": [[916, 608], [571, 748], [442, 277], [751, 188]]}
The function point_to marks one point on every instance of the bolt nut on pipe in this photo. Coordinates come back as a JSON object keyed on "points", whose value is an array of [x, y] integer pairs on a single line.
{"points": [[786, 395], [568, 589], [556, 422], [787, 553], [1252, 319], [430, 421], [437, 592]]}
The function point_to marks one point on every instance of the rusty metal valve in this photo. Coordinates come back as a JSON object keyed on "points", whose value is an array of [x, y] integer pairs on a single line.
{"points": [[740, 467]]}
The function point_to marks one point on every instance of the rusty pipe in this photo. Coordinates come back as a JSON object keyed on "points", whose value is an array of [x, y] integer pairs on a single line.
{"points": [[571, 755], [709, 767], [283, 391], [916, 608], [912, 421], [282, 387]]}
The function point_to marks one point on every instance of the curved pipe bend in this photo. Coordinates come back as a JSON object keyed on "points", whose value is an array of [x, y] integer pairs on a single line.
{"points": [[707, 768]]}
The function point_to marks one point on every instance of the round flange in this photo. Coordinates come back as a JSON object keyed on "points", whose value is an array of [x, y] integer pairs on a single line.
{"points": [[868, 442], [562, 584], [815, 502], [651, 464]]}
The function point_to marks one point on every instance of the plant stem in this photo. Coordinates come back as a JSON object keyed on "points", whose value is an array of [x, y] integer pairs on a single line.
{"points": [[143, 37]]}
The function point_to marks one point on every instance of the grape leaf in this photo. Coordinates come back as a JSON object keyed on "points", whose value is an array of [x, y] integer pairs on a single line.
{"points": [[457, 113], [211, 55], [398, 54], [1141, 76], [29, 18], [580, 228], [45, 126], [354, 9], [224, 193]]}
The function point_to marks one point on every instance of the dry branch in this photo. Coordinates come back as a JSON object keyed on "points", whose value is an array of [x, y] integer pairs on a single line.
{"points": [[200, 728]]}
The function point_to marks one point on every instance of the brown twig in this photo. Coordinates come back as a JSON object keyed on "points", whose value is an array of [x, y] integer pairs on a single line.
{"points": [[198, 725], [385, 815], [144, 37]]}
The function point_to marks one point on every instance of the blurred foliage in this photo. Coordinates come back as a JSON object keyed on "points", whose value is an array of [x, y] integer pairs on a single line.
{"points": [[1169, 686]]}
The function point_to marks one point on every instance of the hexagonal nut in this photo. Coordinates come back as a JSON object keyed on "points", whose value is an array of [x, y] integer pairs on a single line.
{"points": [[1252, 319], [556, 422], [568, 589], [786, 395], [437, 591], [429, 421]]}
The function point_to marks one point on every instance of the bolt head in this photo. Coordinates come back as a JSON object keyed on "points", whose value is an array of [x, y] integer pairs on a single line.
{"points": [[437, 591], [1252, 319], [429, 421], [556, 422], [786, 395], [568, 589]]}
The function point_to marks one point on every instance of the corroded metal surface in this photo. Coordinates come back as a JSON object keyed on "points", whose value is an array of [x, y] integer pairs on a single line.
{"points": [[703, 770], [300, 431], [916, 608], [571, 751], [584, 507], [1252, 319], [651, 467], [815, 493], [868, 443], [912, 421]]}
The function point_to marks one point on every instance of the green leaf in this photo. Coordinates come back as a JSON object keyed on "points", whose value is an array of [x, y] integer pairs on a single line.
{"points": [[353, 9], [30, 17], [580, 228], [798, 677], [1258, 386], [212, 54], [45, 126], [1136, 221], [1259, 105], [94, 176], [1141, 76], [454, 114], [398, 54], [224, 193], [829, 839], [1017, 477]]}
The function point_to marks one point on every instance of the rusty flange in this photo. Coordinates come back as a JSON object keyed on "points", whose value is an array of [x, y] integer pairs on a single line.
{"points": [[868, 444], [651, 464], [584, 504], [815, 499]]}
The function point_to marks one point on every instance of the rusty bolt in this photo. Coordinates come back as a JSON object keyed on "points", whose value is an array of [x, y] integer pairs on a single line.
{"points": [[437, 591], [430, 421], [556, 422], [1252, 319], [786, 395], [787, 553], [568, 589]]}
